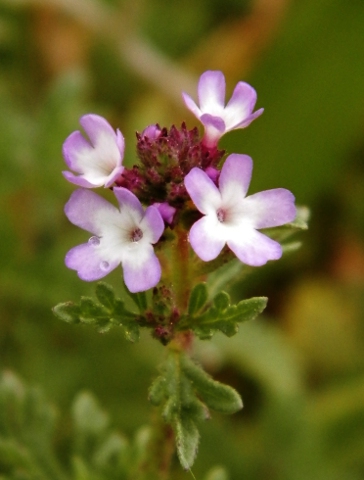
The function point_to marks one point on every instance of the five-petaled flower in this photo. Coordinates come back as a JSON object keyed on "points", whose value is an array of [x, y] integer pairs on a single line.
{"points": [[98, 162], [120, 235], [212, 112], [232, 218]]}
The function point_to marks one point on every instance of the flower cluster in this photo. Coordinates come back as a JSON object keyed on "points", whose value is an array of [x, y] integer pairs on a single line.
{"points": [[182, 186]]}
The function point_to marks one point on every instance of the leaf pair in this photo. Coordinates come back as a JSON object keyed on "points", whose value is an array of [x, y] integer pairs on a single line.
{"points": [[205, 319], [185, 394]]}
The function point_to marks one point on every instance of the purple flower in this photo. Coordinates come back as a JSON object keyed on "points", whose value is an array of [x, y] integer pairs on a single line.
{"points": [[120, 235], [232, 218], [167, 212], [213, 114], [96, 162], [152, 132]]}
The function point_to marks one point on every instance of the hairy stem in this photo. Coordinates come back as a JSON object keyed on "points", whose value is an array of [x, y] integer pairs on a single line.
{"points": [[181, 270]]}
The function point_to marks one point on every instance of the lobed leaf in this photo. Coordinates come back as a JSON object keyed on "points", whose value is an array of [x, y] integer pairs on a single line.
{"points": [[185, 393], [187, 440], [108, 312], [223, 317], [221, 398], [198, 298]]}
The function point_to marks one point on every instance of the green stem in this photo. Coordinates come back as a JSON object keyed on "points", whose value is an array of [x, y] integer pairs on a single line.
{"points": [[181, 269]]}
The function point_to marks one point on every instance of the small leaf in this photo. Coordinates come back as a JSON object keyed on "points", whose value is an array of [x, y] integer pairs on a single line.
{"points": [[302, 217], [131, 331], [157, 391], [223, 317], [215, 395], [91, 311], [140, 300], [110, 312], [68, 312], [187, 440], [198, 298], [246, 310], [105, 295], [222, 301]]}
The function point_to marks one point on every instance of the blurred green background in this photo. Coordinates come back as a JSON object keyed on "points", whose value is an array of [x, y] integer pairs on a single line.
{"points": [[300, 368]]}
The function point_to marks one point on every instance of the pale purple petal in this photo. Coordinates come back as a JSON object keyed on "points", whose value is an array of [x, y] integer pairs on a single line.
{"points": [[207, 238], [214, 122], [86, 261], [191, 105], [128, 201], [202, 190], [151, 132], [113, 176], [89, 211], [75, 144], [249, 119], [77, 180], [270, 208], [99, 162], [211, 111], [167, 211], [141, 269], [235, 178], [152, 224], [254, 248], [214, 129], [240, 106], [95, 127], [211, 91], [120, 142]]}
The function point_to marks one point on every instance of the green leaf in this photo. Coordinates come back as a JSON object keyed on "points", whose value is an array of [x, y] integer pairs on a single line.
{"points": [[222, 301], [187, 440], [26, 431], [221, 398], [140, 300], [91, 312], [106, 314], [131, 331], [198, 298], [157, 391], [68, 312], [184, 393], [105, 295], [223, 317]]}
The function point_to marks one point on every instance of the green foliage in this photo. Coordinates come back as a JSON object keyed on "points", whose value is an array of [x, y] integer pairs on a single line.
{"points": [[198, 298], [27, 424], [185, 394], [27, 432], [110, 312], [202, 318], [217, 473], [205, 319]]}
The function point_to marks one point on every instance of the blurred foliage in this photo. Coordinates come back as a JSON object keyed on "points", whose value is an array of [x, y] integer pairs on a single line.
{"points": [[300, 370]]}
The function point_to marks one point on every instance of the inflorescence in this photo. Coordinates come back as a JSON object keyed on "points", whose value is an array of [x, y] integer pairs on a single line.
{"points": [[182, 183]]}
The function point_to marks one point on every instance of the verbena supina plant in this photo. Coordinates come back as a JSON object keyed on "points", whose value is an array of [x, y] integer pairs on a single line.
{"points": [[181, 225]]}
